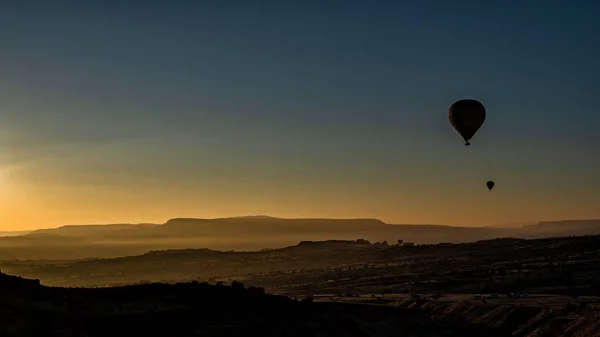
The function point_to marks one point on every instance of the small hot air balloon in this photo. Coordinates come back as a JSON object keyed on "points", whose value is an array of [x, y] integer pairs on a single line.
{"points": [[467, 116], [490, 184]]}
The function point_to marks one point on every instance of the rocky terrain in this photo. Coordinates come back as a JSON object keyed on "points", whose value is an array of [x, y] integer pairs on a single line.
{"points": [[198, 309], [501, 287], [567, 266]]}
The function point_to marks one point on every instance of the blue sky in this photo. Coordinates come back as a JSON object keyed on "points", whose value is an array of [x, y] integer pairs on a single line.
{"points": [[240, 99]]}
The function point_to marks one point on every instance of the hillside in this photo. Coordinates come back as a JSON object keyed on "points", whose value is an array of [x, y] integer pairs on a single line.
{"points": [[252, 233], [198, 309], [13, 233], [559, 266]]}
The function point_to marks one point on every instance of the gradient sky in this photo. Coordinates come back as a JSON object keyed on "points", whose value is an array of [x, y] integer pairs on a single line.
{"points": [[124, 111]]}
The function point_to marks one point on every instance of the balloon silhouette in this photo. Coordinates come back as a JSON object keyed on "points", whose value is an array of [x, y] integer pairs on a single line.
{"points": [[467, 116], [490, 185]]}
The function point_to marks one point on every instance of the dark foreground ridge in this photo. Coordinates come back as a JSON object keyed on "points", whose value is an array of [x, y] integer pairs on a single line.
{"points": [[185, 309], [198, 309]]}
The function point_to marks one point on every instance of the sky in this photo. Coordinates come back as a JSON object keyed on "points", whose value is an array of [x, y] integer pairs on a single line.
{"points": [[137, 111]]}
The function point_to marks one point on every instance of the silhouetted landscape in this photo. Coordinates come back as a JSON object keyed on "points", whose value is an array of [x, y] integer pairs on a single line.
{"points": [[253, 233], [199, 309], [398, 168], [498, 287]]}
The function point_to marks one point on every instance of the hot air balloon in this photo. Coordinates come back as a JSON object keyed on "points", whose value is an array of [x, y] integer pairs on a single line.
{"points": [[490, 184], [467, 116]]}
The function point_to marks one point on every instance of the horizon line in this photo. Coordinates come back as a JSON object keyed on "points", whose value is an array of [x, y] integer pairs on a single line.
{"points": [[517, 224]]}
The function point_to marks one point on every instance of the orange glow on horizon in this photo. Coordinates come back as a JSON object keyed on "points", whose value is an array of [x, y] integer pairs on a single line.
{"points": [[26, 206]]}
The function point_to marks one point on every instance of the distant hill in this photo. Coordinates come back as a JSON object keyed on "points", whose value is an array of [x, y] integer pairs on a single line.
{"points": [[544, 265], [252, 233], [13, 233], [560, 228]]}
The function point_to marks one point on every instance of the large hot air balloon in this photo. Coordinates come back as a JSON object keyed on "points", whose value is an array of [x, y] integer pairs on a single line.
{"points": [[467, 116], [490, 184]]}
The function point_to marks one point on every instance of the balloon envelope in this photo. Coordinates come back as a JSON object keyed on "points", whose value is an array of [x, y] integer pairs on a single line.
{"points": [[467, 116], [490, 185]]}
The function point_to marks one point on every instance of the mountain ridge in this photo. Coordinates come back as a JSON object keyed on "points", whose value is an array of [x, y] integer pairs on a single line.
{"points": [[267, 217], [253, 233]]}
